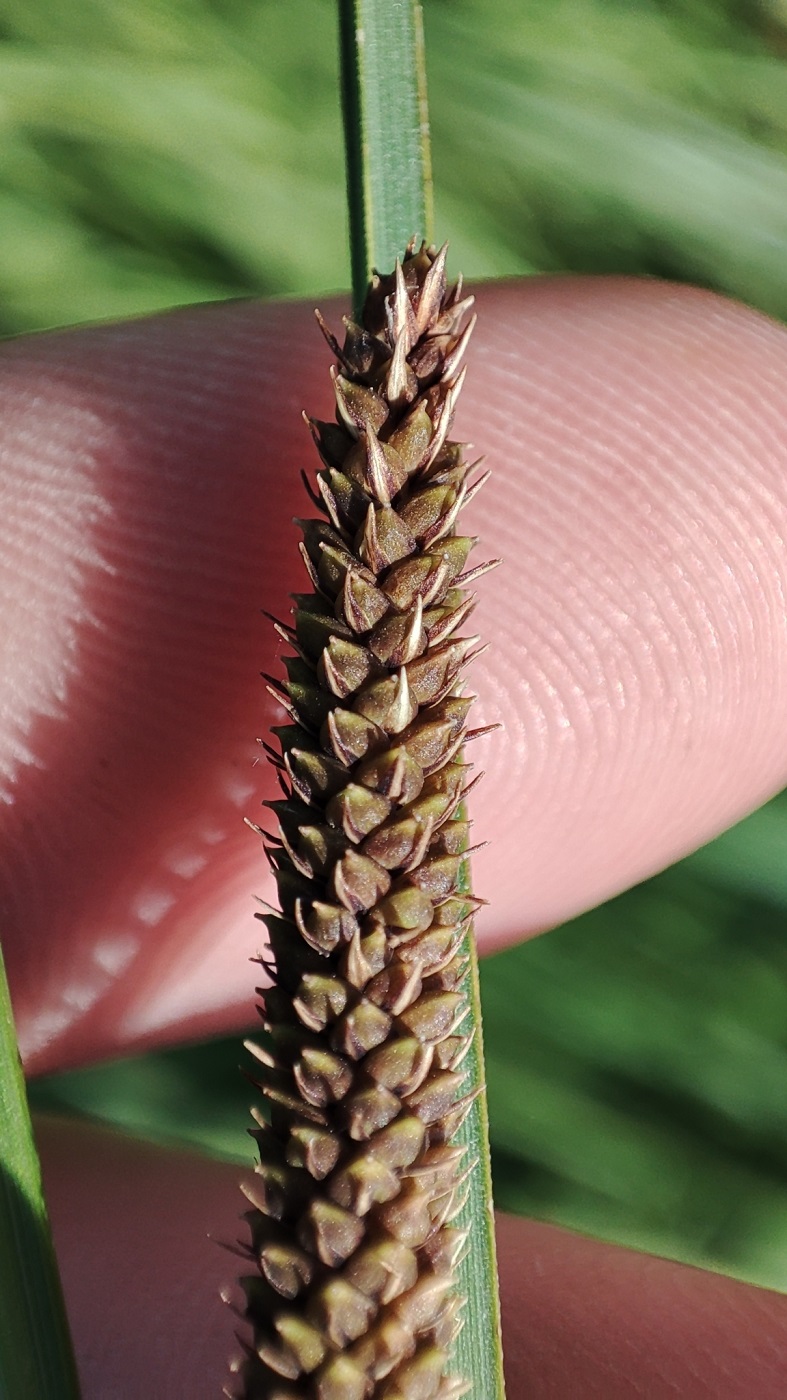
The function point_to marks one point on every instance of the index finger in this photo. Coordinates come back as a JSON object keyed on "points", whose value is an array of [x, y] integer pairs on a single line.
{"points": [[638, 639]]}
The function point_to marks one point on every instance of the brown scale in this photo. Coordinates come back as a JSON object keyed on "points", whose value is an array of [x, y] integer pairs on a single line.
{"points": [[358, 1183]]}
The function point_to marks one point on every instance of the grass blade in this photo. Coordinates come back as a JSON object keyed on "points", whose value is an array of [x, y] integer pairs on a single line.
{"points": [[36, 1357], [389, 178], [390, 200], [479, 1349]]}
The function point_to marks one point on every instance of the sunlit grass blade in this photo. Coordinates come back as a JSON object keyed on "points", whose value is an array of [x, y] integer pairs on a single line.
{"points": [[479, 1350], [390, 198], [389, 178], [36, 1357]]}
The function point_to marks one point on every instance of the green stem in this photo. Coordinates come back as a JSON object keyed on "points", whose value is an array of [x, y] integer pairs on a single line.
{"points": [[479, 1349], [389, 177], [389, 184], [36, 1357]]}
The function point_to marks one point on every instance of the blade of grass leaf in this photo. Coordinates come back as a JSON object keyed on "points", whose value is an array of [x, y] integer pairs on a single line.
{"points": [[390, 198], [36, 1357], [389, 178], [479, 1350]]}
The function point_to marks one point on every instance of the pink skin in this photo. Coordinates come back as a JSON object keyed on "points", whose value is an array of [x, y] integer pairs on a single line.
{"points": [[581, 1320], [638, 663]]}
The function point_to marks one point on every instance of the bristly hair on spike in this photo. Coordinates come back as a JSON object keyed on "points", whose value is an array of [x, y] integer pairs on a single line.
{"points": [[352, 1209]]}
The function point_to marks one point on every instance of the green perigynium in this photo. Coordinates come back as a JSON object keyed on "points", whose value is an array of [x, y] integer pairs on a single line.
{"points": [[353, 1244]]}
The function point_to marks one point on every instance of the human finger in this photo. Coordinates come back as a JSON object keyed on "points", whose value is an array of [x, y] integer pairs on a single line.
{"points": [[637, 630], [142, 1281]]}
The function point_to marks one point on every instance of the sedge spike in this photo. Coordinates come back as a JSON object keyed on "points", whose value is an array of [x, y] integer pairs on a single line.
{"points": [[352, 1210]]}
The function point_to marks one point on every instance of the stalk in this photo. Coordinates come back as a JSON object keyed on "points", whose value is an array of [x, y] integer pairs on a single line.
{"points": [[36, 1356], [386, 127]]}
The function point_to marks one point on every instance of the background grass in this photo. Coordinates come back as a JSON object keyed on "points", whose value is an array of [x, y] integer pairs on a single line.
{"points": [[161, 153]]}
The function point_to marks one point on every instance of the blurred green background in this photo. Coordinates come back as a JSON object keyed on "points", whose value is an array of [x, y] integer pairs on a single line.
{"points": [[172, 151]]}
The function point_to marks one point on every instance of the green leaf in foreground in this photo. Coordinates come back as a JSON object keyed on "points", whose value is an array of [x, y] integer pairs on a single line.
{"points": [[36, 1358]]}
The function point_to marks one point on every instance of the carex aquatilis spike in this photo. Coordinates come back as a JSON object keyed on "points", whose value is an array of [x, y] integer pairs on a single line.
{"points": [[351, 1290]]}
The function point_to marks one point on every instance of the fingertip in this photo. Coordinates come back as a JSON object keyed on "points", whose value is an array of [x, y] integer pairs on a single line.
{"points": [[638, 661]]}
